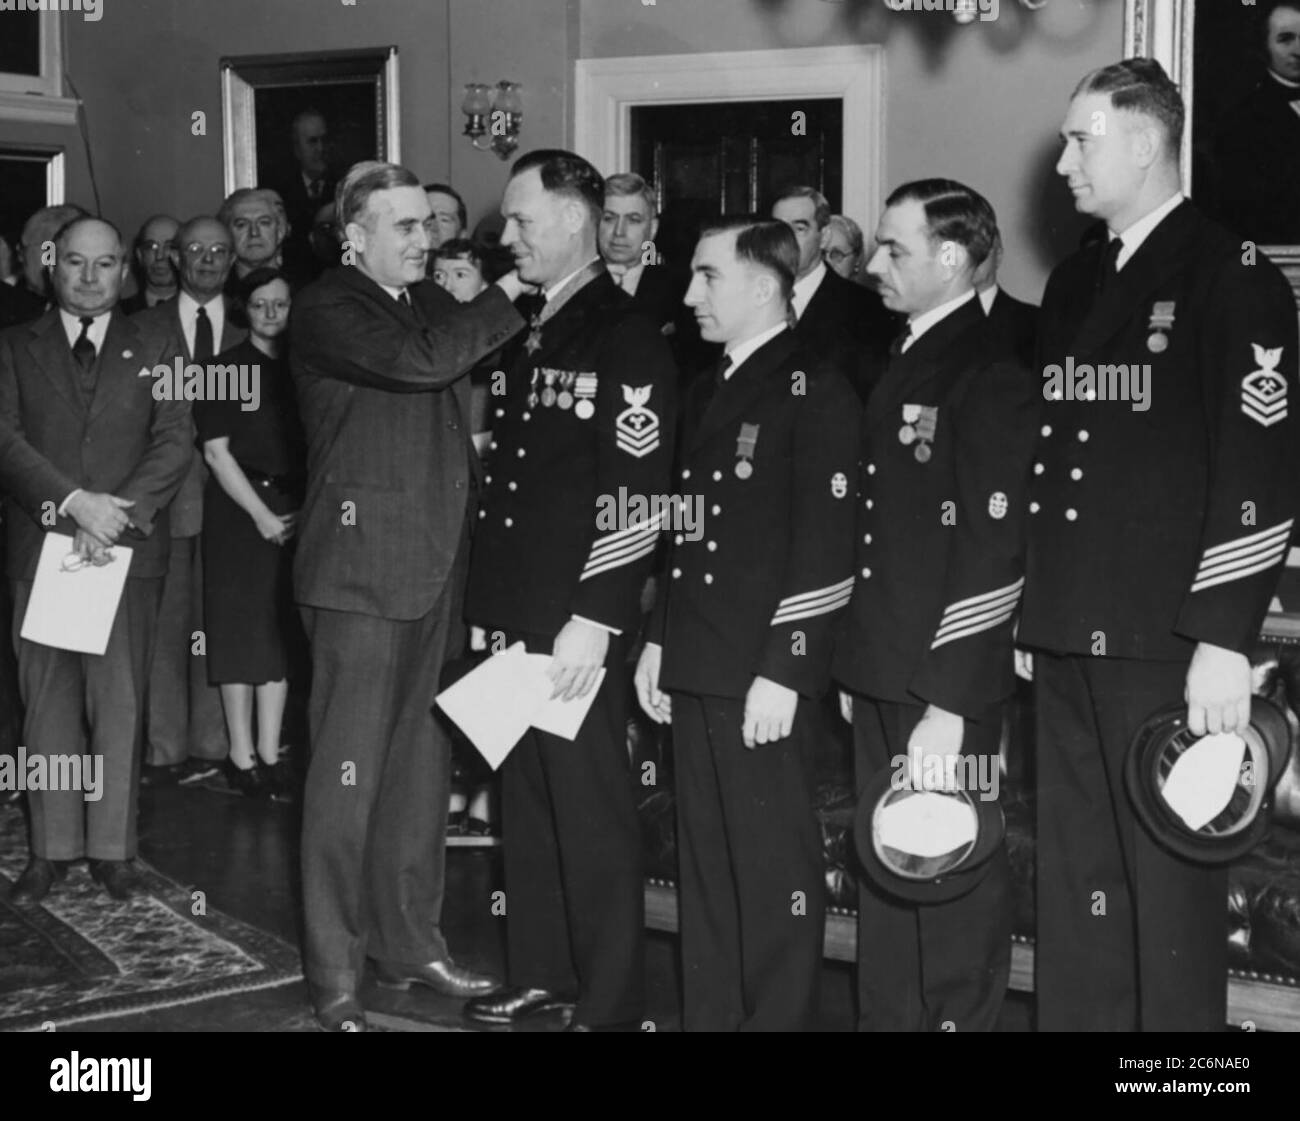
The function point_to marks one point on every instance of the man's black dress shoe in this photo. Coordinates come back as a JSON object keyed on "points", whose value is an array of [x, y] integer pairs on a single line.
{"points": [[336, 1009], [511, 1005], [116, 877], [443, 976], [37, 879]]}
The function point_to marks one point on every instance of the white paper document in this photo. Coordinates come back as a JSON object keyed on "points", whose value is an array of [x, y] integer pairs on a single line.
{"points": [[927, 824], [1203, 778], [498, 701], [73, 604]]}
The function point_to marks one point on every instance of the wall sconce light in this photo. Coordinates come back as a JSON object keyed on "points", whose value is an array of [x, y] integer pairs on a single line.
{"points": [[493, 120]]}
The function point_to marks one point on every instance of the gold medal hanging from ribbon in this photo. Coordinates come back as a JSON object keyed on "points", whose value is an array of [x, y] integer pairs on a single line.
{"points": [[745, 444], [1162, 322], [552, 306]]}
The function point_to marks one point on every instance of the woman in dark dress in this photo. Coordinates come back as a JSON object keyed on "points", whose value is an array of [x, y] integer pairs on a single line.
{"points": [[254, 449]]}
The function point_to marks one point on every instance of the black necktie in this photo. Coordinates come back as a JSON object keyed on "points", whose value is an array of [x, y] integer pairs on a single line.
{"points": [[405, 300], [83, 350], [314, 189], [1109, 267], [720, 374], [900, 341], [202, 335]]}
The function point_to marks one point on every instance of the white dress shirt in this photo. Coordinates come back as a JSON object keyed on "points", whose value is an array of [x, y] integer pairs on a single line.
{"points": [[988, 296], [188, 307], [923, 322], [98, 329], [806, 289], [627, 277], [1139, 231], [741, 351]]}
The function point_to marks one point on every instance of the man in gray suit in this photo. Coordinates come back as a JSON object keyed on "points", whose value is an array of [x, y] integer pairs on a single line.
{"points": [[378, 360], [185, 736], [86, 450]]}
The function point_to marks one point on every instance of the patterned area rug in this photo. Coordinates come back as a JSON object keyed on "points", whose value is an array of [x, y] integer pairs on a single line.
{"points": [[80, 956]]}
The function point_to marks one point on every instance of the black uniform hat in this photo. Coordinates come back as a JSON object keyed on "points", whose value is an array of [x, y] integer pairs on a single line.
{"points": [[924, 878], [1236, 828]]}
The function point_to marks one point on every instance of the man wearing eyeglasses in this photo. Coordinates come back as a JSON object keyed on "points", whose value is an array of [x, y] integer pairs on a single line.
{"points": [[155, 274], [86, 451], [185, 738]]}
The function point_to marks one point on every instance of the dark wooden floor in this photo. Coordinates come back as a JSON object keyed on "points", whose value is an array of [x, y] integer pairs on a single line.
{"points": [[244, 855]]}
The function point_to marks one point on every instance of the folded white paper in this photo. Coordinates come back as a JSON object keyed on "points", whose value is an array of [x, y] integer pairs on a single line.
{"points": [[559, 717], [927, 824], [497, 702], [494, 703], [72, 606], [1203, 778]]}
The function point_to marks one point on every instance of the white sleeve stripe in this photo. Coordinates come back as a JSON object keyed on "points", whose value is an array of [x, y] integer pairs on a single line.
{"points": [[608, 565], [943, 639], [830, 589], [951, 615], [613, 548], [1223, 578], [816, 601], [974, 620], [1277, 540], [652, 526], [1227, 564], [1240, 542], [996, 594], [621, 551], [809, 612]]}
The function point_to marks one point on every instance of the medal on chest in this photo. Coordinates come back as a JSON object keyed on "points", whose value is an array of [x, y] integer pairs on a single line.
{"points": [[745, 444], [1162, 322], [584, 390], [919, 425]]}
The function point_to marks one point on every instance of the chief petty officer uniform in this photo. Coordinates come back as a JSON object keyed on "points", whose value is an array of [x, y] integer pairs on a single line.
{"points": [[771, 449], [587, 410], [948, 434], [1149, 531]]}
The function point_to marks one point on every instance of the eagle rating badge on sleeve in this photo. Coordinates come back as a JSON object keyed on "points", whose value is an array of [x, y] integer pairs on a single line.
{"points": [[1263, 393], [637, 427]]}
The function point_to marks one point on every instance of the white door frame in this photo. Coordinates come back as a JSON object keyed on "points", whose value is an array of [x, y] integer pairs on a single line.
{"points": [[606, 89]]}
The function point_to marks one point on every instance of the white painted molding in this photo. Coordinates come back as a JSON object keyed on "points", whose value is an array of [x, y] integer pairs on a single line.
{"points": [[1162, 29], [35, 109], [606, 90]]}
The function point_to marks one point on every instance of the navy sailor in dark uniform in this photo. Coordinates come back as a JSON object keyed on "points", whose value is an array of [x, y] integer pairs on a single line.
{"points": [[926, 649], [739, 645], [586, 416], [1162, 502]]}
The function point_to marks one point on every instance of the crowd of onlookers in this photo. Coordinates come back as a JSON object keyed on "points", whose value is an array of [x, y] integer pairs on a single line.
{"points": [[224, 284]]}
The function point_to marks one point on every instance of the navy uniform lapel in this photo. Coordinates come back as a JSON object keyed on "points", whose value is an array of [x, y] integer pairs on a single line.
{"points": [[942, 349], [740, 391], [1163, 253], [598, 295]]}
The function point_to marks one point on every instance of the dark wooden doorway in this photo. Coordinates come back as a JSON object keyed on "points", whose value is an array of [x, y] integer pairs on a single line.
{"points": [[733, 157]]}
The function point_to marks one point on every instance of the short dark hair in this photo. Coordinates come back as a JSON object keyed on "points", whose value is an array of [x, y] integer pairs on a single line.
{"points": [[761, 241], [450, 192], [363, 180], [953, 212], [459, 249], [568, 174], [1140, 85], [1266, 11], [245, 286], [821, 208]]}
